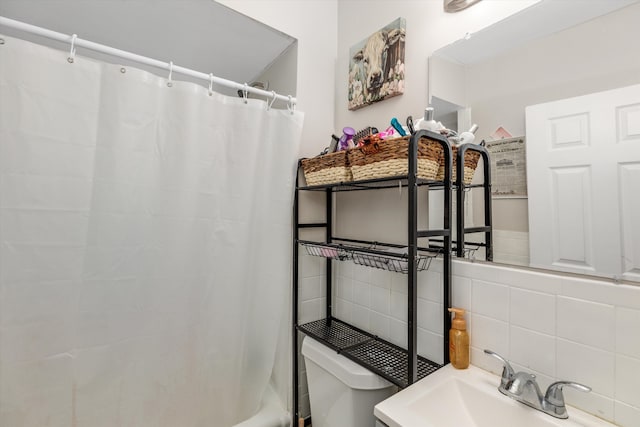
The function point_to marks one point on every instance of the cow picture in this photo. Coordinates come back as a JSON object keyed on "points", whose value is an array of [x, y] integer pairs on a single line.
{"points": [[376, 67]]}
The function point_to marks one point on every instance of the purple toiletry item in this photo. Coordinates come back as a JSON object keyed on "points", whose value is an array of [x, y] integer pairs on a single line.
{"points": [[346, 140]]}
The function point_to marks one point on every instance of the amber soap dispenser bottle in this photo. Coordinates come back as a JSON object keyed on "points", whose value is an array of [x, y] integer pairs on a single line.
{"points": [[458, 340]]}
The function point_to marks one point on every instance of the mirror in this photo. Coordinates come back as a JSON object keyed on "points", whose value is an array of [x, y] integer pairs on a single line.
{"points": [[548, 52]]}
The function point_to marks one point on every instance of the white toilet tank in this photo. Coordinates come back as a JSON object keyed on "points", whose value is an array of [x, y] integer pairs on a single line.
{"points": [[341, 392]]}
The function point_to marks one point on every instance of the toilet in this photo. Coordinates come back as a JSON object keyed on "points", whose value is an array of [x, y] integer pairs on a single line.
{"points": [[341, 392]]}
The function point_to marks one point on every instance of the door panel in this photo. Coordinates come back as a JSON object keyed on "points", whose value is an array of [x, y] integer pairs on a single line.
{"points": [[583, 173]]}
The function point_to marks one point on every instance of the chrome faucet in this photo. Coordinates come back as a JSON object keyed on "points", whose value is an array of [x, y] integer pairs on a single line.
{"points": [[523, 387]]}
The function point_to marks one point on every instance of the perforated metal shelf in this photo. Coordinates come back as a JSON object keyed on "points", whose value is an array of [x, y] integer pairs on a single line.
{"points": [[379, 356]]}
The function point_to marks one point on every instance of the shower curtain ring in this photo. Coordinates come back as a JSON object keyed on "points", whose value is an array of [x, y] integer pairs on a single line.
{"points": [[273, 99], [291, 106], [245, 93], [170, 82], [72, 52], [210, 84]]}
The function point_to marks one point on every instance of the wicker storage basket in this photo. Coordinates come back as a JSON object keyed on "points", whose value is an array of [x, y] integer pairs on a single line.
{"points": [[470, 164], [389, 158], [328, 169]]}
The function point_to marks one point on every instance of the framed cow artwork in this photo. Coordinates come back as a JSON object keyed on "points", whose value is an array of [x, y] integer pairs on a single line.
{"points": [[376, 67]]}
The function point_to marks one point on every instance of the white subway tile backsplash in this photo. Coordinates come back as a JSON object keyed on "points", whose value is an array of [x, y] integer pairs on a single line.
{"points": [[533, 310], [589, 289], [533, 350], [382, 278], [344, 269], [628, 380], [626, 415], [379, 325], [344, 309], [430, 345], [380, 300], [399, 283], [343, 288], [587, 365], [488, 333], [531, 280], [398, 332], [311, 287], [311, 310], [472, 270], [486, 362], [360, 317], [362, 273], [586, 322], [398, 306], [490, 299], [627, 296], [461, 292], [628, 332], [430, 285], [592, 402], [310, 265], [361, 293], [430, 315]]}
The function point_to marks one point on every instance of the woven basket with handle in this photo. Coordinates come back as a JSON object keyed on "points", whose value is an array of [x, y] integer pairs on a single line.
{"points": [[328, 169], [389, 158], [470, 164]]}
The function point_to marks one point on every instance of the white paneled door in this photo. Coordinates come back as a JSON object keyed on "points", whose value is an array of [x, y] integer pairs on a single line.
{"points": [[583, 172]]}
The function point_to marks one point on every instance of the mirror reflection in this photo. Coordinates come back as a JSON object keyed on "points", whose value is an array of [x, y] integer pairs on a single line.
{"points": [[549, 212]]}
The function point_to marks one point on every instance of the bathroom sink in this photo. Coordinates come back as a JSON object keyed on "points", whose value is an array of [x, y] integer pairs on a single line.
{"points": [[469, 398]]}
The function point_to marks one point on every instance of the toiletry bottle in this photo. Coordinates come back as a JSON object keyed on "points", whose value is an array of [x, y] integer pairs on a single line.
{"points": [[469, 136], [458, 340], [427, 123]]}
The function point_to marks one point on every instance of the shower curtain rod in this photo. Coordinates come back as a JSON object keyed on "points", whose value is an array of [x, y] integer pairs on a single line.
{"points": [[75, 41]]}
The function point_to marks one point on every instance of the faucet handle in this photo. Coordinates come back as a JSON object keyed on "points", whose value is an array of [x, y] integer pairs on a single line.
{"points": [[507, 370], [554, 393]]}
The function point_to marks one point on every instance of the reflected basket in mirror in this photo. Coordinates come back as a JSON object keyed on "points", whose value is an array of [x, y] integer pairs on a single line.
{"points": [[470, 164], [388, 158], [330, 168]]}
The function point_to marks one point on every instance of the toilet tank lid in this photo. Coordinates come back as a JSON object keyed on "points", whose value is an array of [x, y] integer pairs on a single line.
{"points": [[347, 371]]}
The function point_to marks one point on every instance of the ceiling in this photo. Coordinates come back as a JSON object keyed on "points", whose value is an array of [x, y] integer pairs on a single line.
{"points": [[199, 34]]}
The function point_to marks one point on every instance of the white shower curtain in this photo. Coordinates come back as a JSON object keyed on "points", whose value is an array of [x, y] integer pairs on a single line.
{"points": [[145, 236]]}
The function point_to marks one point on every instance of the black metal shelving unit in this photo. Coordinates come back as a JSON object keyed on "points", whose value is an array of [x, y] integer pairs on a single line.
{"points": [[461, 230], [400, 366]]}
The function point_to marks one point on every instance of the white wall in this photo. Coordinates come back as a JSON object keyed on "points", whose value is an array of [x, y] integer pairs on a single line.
{"points": [[281, 73], [314, 24]]}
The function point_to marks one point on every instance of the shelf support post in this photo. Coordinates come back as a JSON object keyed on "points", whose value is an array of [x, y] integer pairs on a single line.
{"points": [[329, 239], [294, 306], [412, 244]]}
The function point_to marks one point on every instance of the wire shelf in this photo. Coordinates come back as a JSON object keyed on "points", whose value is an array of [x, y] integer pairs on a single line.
{"points": [[374, 255], [327, 250], [385, 359], [395, 263]]}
